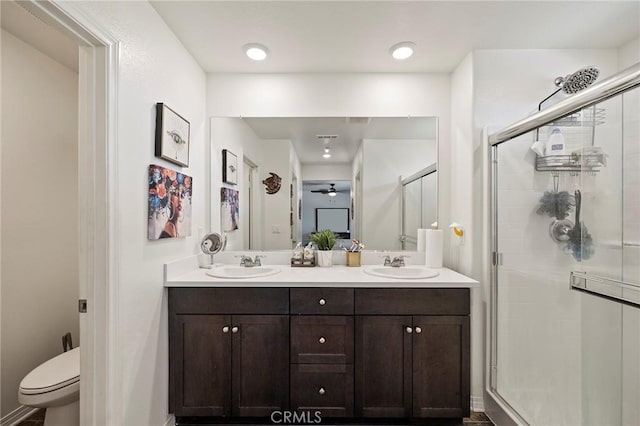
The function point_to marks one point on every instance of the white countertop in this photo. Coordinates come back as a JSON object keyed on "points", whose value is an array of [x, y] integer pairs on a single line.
{"points": [[335, 276]]}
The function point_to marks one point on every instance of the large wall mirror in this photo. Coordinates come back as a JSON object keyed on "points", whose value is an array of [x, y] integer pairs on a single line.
{"points": [[380, 174]]}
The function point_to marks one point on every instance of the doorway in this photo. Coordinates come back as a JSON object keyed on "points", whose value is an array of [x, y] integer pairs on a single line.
{"points": [[249, 206], [96, 215]]}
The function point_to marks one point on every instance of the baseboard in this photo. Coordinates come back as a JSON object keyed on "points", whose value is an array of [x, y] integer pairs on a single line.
{"points": [[171, 421], [477, 403], [17, 415]]}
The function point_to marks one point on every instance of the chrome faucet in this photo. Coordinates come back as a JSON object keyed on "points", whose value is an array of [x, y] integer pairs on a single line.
{"points": [[247, 262], [397, 261]]}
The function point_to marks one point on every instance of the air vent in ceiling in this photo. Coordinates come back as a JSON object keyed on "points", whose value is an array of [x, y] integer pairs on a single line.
{"points": [[358, 120], [326, 138]]}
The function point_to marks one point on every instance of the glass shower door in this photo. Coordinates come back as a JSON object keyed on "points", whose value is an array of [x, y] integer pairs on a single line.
{"points": [[561, 356]]}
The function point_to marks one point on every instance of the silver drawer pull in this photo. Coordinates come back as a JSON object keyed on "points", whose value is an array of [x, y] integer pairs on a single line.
{"points": [[418, 330], [225, 329], [322, 340], [234, 330], [322, 302], [409, 330], [321, 391]]}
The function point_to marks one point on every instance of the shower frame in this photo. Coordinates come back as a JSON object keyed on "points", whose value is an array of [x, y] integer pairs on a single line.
{"points": [[621, 82]]}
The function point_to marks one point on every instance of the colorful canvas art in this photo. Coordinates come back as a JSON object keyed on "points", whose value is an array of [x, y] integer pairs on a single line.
{"points": [[169, 203], [230, 204]]}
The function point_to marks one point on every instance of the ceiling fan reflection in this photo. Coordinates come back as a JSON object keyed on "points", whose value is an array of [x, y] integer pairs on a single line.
{"points": [[331, 191]]}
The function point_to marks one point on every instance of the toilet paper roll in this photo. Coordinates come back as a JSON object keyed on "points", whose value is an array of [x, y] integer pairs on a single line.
{"points": [[422, 240], [433, 248]]}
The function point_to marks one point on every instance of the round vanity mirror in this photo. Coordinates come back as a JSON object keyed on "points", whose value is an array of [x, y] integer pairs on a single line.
{"points": [[211, 244]]}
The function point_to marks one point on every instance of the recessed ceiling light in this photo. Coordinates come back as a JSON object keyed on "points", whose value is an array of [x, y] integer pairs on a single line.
{"points": [[256, 51], [402, 50], [326, 153]]}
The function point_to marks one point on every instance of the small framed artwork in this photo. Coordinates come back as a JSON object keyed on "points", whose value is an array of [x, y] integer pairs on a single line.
{"points": [[172, 136], [229, 167], [230, 209]]}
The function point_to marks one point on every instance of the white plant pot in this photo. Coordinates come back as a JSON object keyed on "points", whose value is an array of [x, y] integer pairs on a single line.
{"points": [[325, 257]]}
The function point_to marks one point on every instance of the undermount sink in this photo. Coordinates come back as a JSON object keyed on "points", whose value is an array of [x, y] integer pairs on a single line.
{"points": [[402, 272], [239, 272]]}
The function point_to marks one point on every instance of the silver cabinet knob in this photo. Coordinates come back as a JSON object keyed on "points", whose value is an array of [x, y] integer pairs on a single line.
{"points": [[225, 329], [418, 330], [234, 330], [321, 391], [322, 340], [409, 330], [322, 302]]}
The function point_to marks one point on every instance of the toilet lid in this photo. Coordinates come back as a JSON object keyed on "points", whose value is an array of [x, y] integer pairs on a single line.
{"points": [[56, 373]]}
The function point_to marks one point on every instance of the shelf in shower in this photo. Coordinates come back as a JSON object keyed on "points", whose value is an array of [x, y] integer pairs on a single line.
{"points": [[571, 163], [589, 117], [607, 288]]}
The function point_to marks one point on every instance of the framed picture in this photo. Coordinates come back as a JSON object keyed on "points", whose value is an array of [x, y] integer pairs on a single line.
{"points": [[229, 167], [230, 209], [172, 136], [169, 203]]}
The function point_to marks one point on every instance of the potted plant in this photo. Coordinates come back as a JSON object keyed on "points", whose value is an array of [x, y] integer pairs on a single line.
{"points": [[324, 241]]}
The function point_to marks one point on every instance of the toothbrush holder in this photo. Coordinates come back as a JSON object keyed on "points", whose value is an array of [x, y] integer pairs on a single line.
{"points": [[353, 258]]}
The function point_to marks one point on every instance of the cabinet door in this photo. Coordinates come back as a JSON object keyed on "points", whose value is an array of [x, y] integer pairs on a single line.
{"points": [[441, 366], [260, 364], [383, 366], [200, 365]]}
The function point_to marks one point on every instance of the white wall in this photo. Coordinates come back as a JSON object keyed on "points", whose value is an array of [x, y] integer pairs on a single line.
{"points": [[39, 211], [384, 163], [153, 67], [234, 135], [276, 157], [326, 171], [629, 54]]}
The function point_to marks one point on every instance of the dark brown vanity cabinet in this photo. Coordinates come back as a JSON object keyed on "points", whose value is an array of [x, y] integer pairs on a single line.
{"points": [[322, 351], [229, 351], [364, 353], [410, 365]]}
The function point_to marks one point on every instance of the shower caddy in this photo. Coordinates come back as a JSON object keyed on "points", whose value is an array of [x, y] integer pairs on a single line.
{"points": [[589, 161], [570, 112]]}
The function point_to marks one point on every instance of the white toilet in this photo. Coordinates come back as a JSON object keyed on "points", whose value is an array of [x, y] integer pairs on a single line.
{"points": [[55, 385]]}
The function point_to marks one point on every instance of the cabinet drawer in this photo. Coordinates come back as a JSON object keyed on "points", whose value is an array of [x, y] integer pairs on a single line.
{"points": [[322, 339], [432, 301], [264, 301], [318, 301], [322, 387]]}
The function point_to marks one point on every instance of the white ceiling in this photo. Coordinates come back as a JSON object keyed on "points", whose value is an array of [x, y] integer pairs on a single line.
{"points": [[355, 36], [303, 133]]}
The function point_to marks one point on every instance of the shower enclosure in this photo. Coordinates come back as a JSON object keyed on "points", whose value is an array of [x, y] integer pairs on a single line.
{"points": [[565, 291]]}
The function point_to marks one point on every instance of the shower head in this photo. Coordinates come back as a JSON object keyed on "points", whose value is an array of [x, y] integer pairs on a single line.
{"points": [[578, 81]]}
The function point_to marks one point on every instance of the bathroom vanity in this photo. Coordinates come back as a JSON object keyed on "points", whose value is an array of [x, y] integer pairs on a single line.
{"points": [[329, 340]]}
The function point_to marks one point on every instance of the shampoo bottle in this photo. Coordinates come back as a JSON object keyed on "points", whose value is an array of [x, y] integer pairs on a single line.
{"points": [[555, 143]]}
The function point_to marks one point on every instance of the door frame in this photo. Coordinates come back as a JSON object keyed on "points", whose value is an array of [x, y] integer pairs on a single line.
{"points": [[100, 400]]}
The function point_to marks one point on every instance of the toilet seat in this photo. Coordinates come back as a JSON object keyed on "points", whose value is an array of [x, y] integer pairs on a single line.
{"points": [[59, 372]]}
